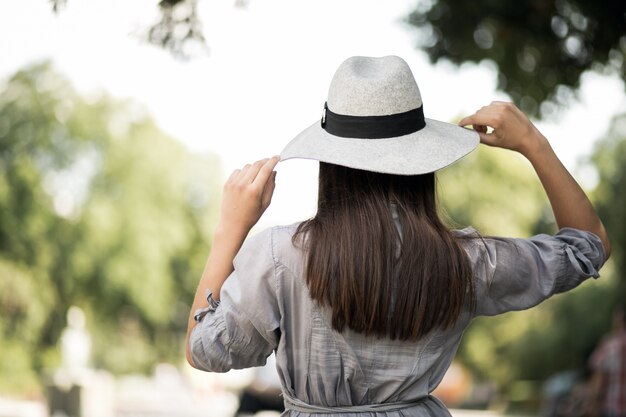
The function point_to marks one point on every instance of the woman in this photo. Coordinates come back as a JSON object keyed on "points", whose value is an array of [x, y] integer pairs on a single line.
{"points": [[365, 303]]}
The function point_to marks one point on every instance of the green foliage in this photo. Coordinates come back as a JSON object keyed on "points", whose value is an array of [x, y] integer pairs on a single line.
{"points": [[610, 160], [495, 191], [98, 208], [541, 48]]}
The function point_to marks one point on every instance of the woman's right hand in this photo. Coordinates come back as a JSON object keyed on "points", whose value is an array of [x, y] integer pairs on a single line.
{"points": [[511, 128], [247, 193]]}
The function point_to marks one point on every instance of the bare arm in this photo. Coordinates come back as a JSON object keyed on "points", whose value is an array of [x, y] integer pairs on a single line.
{"points": [[512, 130], [247, 193]]}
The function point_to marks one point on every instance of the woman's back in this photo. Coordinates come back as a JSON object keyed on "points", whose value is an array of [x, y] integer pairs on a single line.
{"points": [[326, 367], [266, 306], [380, 233]]}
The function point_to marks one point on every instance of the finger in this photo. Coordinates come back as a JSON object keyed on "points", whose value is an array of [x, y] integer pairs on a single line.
{"points": [[265, 171], [233, 176], [483, 117], [476, 119], [268, 191], [489, 139], [467, 120], [252, 171]]}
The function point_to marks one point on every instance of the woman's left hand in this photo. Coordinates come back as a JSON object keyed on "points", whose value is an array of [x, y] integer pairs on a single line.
{"points": [[247, 193], [511, 128]]}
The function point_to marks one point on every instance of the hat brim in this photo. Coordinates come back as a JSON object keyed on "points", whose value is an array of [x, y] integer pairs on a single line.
{"points": [[436, 146]]}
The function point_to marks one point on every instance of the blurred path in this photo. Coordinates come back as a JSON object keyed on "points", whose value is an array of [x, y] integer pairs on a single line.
{"points": [[474, 413]]}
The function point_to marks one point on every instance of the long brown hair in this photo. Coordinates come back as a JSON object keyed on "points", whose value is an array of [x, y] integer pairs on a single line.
{"points": [[379, 279]]}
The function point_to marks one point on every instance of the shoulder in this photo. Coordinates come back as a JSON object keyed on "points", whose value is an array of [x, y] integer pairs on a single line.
{"points": [[473, 243], [283, 235], [276, 242], [271, 237]]}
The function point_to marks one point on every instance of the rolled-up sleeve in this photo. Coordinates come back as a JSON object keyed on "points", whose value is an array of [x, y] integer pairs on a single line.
{"points": [[516, 274], [243, 330]]}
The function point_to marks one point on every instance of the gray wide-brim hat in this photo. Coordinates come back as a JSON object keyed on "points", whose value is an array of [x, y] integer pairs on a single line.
{"points": [[373, 120]]}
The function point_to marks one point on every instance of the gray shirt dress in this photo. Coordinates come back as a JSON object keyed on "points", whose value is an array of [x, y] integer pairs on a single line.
{"points": [[265, 307]]}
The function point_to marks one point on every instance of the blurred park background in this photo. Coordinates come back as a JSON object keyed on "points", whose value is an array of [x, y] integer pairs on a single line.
{"points": [[120, 120]]}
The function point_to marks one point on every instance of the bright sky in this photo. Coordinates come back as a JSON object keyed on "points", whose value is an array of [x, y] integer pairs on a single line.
{"points": [[267, 75]]}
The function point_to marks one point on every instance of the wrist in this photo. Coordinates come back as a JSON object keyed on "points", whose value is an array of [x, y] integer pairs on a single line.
{"points": [[536, 148], [230, 230]]}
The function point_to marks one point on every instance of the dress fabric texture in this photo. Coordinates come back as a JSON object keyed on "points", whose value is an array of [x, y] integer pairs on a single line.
{"points": [[265, 307]]}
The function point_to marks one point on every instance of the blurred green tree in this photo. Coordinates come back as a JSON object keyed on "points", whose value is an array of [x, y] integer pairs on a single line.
{"points": [[540, 48], [610, 160], [496, 191], [100, 209]]}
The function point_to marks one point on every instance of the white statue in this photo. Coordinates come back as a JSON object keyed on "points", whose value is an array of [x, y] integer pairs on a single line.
{"points": [[75, 343]]}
